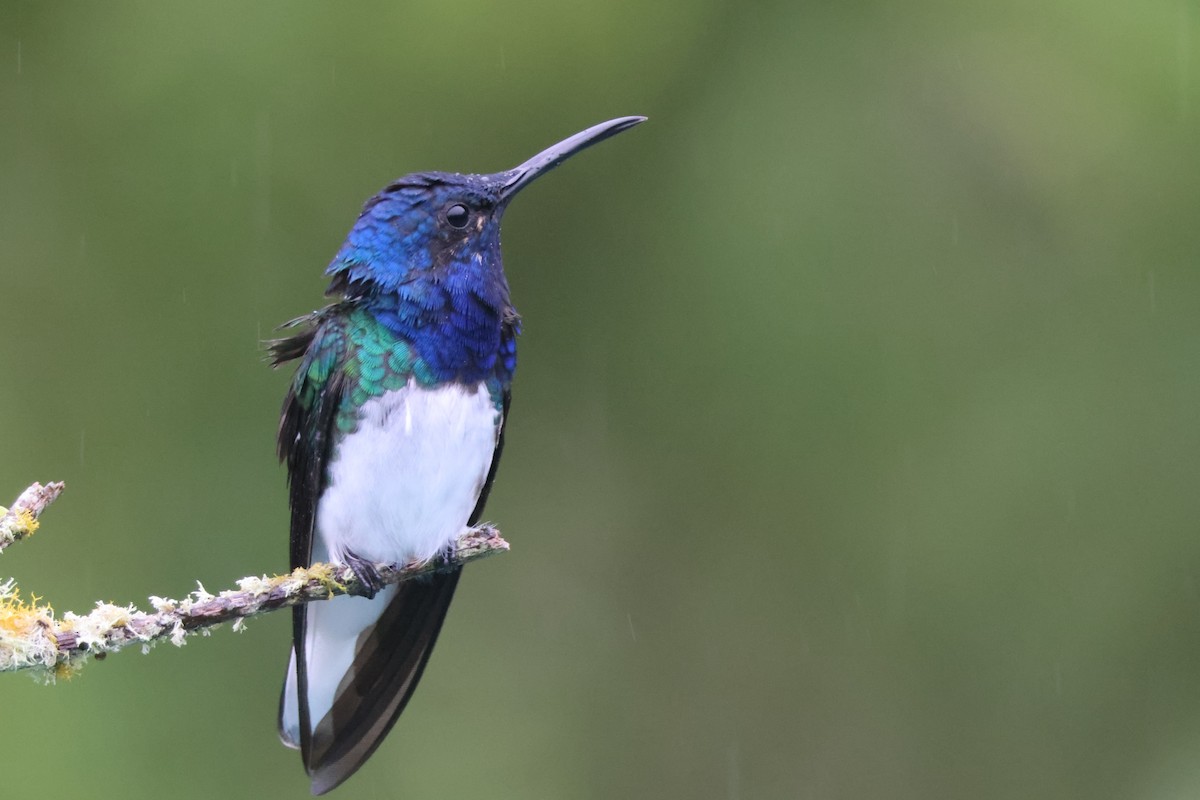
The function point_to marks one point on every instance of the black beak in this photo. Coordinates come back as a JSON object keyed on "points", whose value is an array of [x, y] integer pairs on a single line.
{"points": [[517, 179]]}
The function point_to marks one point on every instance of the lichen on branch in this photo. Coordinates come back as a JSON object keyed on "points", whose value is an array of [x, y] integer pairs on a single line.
{"points": [[33, 637], [20, 521]]}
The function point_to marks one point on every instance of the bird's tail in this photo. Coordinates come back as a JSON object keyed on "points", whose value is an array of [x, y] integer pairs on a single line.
{"points": [[360, 662]]}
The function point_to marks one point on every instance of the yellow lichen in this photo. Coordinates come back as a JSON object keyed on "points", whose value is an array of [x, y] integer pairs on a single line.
{"points": [[322, 574], [17, 617], [26, 637], [27, 521]]}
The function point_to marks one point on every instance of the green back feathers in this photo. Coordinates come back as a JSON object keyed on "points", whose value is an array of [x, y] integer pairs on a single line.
{"points": [[370, 359], [378, 362]]}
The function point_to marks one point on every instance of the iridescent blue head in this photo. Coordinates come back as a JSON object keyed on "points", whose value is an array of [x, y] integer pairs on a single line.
{"points": [[429, 224], [424, 257]]}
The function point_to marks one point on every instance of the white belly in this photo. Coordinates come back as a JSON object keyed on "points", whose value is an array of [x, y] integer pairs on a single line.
{"points": [[404, 483]]}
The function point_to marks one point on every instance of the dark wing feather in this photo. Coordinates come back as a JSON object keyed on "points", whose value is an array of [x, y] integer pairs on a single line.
{"points": [[386, 670], [491, 476], [306, 433], [308, 419]]}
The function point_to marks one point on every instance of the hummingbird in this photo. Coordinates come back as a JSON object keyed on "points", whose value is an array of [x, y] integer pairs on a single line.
{"points": [[392, 430]]}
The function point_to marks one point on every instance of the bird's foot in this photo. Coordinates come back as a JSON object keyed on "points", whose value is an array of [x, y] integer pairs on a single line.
{"points": [[445, 556], [366, 573]]}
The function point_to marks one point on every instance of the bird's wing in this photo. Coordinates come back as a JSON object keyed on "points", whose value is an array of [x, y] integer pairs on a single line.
{"points": [[506, 401], [307, 430], [510, 328], [308, 423]]}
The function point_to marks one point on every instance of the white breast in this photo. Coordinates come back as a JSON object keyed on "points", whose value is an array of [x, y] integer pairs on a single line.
{"points": [[403, 484]]}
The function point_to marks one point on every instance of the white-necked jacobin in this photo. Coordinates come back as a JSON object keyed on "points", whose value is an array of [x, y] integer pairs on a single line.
{"points": [[391, 430]]}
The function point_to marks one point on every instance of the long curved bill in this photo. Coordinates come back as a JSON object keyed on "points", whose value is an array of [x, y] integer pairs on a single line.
{"points": [[517, 179]]}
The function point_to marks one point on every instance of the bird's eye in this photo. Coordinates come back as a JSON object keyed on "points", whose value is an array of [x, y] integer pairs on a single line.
{"points": [[458, 215]]}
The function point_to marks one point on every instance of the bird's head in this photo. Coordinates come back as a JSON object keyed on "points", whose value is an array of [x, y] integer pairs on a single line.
{"points": [[436, 226]]}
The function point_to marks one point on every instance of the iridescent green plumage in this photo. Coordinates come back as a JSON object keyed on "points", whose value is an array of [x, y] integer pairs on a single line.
{"points": [[370, 359]]}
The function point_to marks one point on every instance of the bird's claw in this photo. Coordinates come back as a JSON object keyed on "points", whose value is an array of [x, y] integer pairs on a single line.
{"points": [[366, 573], [446, 556]]}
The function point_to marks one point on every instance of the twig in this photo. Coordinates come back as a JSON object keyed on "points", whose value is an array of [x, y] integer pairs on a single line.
{"points": [[20, 521], [32, 637]]}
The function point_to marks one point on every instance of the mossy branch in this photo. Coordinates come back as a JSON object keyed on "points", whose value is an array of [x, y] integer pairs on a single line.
{"points": [[33, 638]]}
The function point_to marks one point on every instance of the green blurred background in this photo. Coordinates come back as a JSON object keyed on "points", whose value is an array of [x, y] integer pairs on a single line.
{"points": [[855, 441]]}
